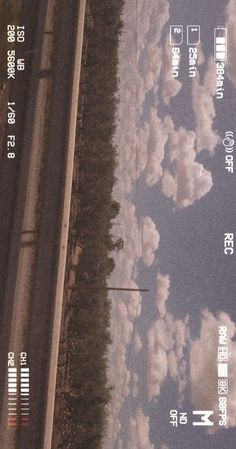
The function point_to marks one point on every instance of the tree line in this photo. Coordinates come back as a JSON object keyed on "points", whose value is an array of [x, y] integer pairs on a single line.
{"points": [[83, 403]]}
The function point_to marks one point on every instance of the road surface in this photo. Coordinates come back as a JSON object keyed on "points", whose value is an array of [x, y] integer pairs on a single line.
{"points": [[46, 285]]}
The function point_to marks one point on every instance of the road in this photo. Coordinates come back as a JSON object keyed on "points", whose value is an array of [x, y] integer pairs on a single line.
{"points": [[46, 285], [14, 172]]}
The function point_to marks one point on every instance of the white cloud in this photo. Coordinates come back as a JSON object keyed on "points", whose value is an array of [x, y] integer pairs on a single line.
{"points": [[126, 227], [151, 14], [149, 73], [167, 339], [119, 443], [170, 86], [151, 147], [204, 366], [143, 149], [134, 385], [126, 306], [121, 329], [150, 240], [190, 181], [139, 73], [163, 286], [138, 434], [201, 57], [139, 240], [230, 24], [157, 366], [137, 343], [204, 109]]}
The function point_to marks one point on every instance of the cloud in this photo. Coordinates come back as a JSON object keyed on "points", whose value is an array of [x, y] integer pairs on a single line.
{"points": [[152, 15], [138, 433], [126, 306], [167, 339], [150, 240], [137, 343], [203, 363], [151, 147], [150, 70], [230, 24], [126, 227], [139, 72], [156, 70], [142, 149], [189, 180], [204, 108], [119, 443], [170, 86], [139, 240], [157, 367], [200, 55], [134, 385], [121, 329], [163, 286], [140, 53]]}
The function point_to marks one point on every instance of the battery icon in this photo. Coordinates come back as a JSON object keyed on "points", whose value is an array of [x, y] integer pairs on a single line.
{"points": [[220, 44], [176, 34], [193, 34]]}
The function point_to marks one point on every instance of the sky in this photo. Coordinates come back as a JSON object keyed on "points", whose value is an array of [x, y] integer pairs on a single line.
{"points": [[177, 201]]}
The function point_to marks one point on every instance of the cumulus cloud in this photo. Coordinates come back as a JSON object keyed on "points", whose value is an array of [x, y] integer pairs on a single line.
{"points": [[137, 343], [134, 385], [157, 366], [151, 147], [189, 180], [201, 57], [126, 227], [163, 286], [143, 148], [119, 443], [167, 339], [150, 240], [203, 362], [139, 72], [119, 375], [151, 15], [230, 24], [139, 240], [204, 108], [126, 306], [123, 328], [150, 70], [170, 86], [138, 433]]}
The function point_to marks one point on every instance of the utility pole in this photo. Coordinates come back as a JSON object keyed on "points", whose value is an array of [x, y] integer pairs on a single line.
{"points": [[124, 289], [121, 289]]}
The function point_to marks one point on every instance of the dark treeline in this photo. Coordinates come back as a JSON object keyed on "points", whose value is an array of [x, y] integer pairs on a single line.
{"points": [[81, 404]]}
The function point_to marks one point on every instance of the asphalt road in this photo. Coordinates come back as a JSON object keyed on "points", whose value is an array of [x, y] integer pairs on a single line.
{"points": [[44, 282], [43, 296], [22, 91], [13, 172]]}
